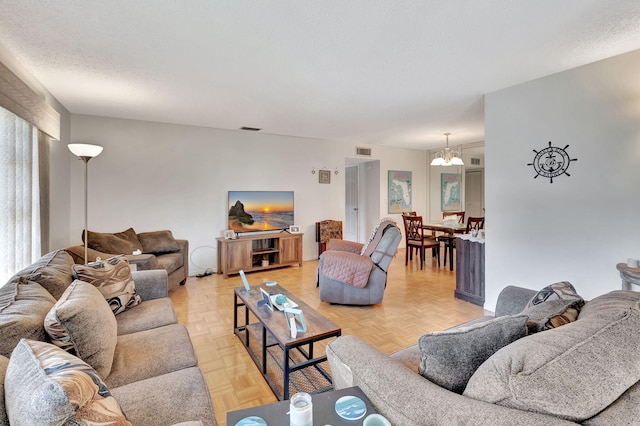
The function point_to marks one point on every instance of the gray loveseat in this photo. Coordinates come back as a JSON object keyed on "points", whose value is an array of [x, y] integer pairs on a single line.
{"points": [[159, 250], [142, 355], [585, 372]]}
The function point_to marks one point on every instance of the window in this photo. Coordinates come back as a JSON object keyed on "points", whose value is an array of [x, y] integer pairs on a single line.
{"points": [[20, 235]]}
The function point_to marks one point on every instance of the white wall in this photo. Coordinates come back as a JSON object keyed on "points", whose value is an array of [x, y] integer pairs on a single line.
{"points": [[579, 227], [154, 176]]}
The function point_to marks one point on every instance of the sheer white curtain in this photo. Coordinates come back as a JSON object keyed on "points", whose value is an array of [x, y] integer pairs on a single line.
{"points": [[20, 236]]}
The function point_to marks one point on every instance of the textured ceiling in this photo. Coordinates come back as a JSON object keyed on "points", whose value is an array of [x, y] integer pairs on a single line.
{"points": [[398, 73]]}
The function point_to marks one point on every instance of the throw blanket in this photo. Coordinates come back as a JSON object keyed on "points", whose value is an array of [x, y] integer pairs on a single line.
{"points": [[349, 268], [343, 245], [376, 234]]}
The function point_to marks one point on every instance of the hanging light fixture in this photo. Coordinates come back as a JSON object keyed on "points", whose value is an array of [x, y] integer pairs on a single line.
{"points": [[447, 157]]}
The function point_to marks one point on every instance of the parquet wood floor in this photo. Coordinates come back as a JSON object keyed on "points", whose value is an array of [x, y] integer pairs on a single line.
{"points": [[415, 302]]}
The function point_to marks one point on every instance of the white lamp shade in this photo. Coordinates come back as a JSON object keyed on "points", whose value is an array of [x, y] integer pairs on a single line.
{"points": [[85, 150], [457, 161], [438, 161]]}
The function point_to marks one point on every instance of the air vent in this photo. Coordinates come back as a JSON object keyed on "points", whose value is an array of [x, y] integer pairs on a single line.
{"points": [[475, 161], [363, 151], [250, 129]]}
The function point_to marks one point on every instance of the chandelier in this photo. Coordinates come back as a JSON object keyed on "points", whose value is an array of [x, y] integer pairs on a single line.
{"points": [[447, 157]]}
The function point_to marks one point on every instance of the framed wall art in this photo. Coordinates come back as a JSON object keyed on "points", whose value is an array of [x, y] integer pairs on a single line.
{"points": [[324, 176], [450, 189], [399, 191]]}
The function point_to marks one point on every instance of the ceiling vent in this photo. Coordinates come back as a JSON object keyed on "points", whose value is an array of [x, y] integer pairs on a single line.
{"points": [[250, 129], [363, 151], [475, 161]]}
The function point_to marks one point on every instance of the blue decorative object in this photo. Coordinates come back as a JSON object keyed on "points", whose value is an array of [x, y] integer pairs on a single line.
{"points": [[252, 421], [351, 408]]}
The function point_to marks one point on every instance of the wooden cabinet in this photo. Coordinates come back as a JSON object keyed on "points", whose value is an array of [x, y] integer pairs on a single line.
{"points": [[258, 252], [291, 249], [470, 270]]}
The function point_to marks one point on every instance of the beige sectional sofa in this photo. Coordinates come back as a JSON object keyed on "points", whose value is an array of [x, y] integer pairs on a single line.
{"points": [[586, 371], [159, 250], [140, 361]]}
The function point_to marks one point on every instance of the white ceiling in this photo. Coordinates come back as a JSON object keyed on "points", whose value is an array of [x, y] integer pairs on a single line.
{"points": [[389, 72]]}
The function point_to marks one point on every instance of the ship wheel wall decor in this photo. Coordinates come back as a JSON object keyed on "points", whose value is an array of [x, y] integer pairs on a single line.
{"points": [[551, 162]]}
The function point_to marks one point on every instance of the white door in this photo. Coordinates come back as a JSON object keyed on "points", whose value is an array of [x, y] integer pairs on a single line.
{"points": [[351, 203], [474, 193]]}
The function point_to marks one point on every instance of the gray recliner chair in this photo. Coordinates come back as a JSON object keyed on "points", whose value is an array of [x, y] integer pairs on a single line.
{"points": [[351, 273]]}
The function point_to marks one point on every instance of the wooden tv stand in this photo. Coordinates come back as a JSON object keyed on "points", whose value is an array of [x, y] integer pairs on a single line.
{"points": [[248, 251]]}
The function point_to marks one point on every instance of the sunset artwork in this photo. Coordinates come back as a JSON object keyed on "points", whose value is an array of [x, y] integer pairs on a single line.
{"points": [[251, 211]]}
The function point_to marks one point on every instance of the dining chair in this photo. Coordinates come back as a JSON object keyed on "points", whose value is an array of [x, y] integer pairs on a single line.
{"points": [[416, 240], [450, 240], [476, 223]]}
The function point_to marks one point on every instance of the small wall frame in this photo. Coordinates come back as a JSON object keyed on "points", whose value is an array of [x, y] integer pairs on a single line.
{"points": [[324, 176], [266, 300], [294, 229]]}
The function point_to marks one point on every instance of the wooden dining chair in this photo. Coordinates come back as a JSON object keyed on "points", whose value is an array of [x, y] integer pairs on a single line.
{"points": [[416, 240], [476, 223], [450, 240]]}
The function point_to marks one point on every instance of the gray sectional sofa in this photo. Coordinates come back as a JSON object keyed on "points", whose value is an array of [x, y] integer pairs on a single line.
{"points": [[141, 358], [586, 371]]}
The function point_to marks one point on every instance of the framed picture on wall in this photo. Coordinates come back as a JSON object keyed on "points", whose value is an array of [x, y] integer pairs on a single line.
{"points": [[450, 190], [324, 176], [399, 191]]}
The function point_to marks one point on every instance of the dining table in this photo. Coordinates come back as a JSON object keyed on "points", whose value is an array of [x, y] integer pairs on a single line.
{"points": [[450, 229]]}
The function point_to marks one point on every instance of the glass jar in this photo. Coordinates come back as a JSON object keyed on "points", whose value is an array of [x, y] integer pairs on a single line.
{"points": [[301, 410]]}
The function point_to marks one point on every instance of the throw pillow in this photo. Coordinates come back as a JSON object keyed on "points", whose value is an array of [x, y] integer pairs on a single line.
{"points": [[113, 278], [125, 242], [52, 271], [449, 358], [47, 386], [555, 305], [23, 306], [158, 242], [574, 371], [73, 325]]}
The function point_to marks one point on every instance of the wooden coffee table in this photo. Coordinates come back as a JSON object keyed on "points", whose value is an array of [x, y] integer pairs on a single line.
{"points": [[264, 330]]}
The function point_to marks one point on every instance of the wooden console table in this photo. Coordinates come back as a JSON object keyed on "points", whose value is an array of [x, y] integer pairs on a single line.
{"points": [[249, 251]]}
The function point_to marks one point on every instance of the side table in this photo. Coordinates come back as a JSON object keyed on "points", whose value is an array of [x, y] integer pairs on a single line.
{"points": [[630, 276], [323, 410]]}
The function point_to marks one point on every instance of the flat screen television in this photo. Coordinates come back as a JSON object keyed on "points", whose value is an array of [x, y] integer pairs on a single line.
{"points": [[253, 211]]}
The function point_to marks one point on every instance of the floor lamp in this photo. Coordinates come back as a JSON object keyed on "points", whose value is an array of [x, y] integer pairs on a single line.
{"points": [[85, 152]]}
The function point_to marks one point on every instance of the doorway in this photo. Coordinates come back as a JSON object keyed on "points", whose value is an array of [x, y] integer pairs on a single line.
{"points": [[351, 203], [362, 198], [474, 193]]}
